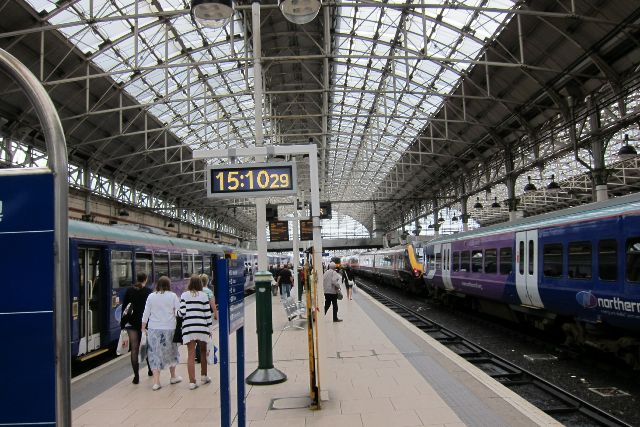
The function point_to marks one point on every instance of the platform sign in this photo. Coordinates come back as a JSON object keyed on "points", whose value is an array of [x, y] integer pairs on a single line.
{"points": [[230, 281], [26, 307], [278, 231], [306, 229]]}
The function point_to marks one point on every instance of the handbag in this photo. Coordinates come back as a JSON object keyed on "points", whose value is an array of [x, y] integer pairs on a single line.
{"points": [[142, 353], [339, 294], [177, 333], [212, 350], [123, 343]]}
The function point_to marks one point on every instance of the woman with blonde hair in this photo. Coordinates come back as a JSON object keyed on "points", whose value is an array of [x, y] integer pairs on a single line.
{"points": [[195, 311], [159, 323]]}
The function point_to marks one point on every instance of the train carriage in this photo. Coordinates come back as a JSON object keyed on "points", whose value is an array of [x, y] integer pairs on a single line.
{"points": [[398, 266], [104, 261]]}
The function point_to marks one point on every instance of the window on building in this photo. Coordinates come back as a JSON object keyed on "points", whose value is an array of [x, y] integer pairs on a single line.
{"points": [[552, 260], [491, 261], [506, 260], [608, 260], [579, 261]]}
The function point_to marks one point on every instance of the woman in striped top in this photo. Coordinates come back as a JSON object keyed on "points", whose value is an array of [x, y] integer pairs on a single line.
{"points": [[196, 327]]}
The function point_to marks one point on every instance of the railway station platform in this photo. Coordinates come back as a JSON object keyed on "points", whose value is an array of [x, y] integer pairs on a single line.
{"points": [[376, 370]]}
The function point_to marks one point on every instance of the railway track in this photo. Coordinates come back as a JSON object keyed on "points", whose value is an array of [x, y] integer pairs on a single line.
{"points": [[556, 402]]}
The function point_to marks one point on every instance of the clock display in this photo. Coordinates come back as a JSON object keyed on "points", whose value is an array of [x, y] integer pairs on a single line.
{"points": [[252, 180]]}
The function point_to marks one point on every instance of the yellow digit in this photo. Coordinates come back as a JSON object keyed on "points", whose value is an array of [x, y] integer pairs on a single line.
{"points": [[220, 177], [276, 179], [249, 175], [263, 179], [233, 181], [284, 180]]}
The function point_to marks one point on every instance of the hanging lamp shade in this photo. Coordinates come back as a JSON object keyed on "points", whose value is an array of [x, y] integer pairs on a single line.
{"points": [[627, 150], [171, 225], [123, 212], [440, 220], [454, 218], [212, 13], [299, 11], [553, 185], [431, 226], [495, 203], [477, 204], [529, 186]]}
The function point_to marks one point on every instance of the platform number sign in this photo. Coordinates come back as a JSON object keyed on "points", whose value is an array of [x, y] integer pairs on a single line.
{"points": [[251, 180]]}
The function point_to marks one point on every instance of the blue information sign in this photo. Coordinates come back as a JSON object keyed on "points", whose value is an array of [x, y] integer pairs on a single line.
{"points": [[26, 311]]}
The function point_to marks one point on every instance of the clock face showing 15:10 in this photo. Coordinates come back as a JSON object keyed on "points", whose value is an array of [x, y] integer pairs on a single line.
{"points": [[277, 178]]}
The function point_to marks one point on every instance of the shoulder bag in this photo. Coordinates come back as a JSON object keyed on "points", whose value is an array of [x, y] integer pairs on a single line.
{"points": [[177, 333]]}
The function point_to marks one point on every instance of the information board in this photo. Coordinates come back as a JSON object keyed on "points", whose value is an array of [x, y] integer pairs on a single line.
{"points": [[236, 294], [278, 231], [27, 319], [252, 180], [306, 229]]}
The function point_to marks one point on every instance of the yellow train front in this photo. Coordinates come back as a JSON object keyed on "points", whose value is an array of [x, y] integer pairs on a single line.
{"points": [[399, 266]]}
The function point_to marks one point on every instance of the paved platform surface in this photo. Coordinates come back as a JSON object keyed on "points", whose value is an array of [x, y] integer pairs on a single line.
{"points": [[377, 370]]}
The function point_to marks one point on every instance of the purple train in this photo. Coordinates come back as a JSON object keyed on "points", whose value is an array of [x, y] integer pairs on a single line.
{"points": [[577, 269]]}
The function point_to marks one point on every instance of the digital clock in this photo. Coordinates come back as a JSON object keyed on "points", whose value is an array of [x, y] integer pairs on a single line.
{"points": [[251, 180]]}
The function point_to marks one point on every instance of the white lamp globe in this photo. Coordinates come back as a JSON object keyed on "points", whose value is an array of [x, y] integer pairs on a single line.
{"points": [[299, 11]]}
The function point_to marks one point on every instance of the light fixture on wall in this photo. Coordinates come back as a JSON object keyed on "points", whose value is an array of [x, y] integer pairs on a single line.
{"points": [[529, 186], [171, 225], [553, 185], [299, 11], [197, 231], [627, 150], [123, 212], [495, 203], [477, 204], [212, 13]]}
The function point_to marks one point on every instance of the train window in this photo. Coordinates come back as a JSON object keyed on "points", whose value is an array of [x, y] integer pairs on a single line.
{"points": [[187, 265], [197, 259], [491, 261], [161, 264], [521, 257], [552, 260], [476, 261], [121, 274], [465, 260], [175, 267], [506, 260], [144, 261], [531, 256], [632, 260], [456, 261], [438, 262], [608, 259], [207, 265], [579, 263]]}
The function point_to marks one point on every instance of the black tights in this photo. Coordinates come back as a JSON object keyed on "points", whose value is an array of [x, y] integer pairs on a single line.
{"points": [[134, 346], [330, 299]]}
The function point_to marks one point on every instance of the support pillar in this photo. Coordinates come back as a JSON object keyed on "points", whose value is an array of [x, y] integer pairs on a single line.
{"points": [[599, 173], [436, 225], [464, 216]]}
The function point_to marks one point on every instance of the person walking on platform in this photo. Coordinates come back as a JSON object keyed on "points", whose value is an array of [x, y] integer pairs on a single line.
{"points": [[285, 281], [133, 307], [348, 284], [195, 309], [159, 323], [331, 284]]}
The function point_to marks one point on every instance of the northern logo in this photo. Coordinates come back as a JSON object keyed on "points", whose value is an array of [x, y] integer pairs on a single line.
{"points": [[587, 299]]}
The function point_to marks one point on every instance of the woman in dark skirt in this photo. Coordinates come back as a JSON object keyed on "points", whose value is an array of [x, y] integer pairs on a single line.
{"points": [[132, 308]]}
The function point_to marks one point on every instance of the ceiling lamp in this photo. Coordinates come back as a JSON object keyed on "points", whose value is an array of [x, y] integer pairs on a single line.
{"points": [[553, 185], [431, 226], [123, 212], [299, 11], [627, 150], [440, 220], [197, 231], [530, 186], [454, 218], [212, 13], [495, 203], [171, 225], [477, 204]]}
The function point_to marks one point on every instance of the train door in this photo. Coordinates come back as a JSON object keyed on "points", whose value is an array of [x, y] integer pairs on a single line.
{"points": [[527, 268], [90, 309], [446, 266]]}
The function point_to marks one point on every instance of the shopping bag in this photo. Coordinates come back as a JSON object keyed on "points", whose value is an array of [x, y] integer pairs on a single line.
{"points": [[339, 293], [142, 353], [123, 343], [212, 352], [177, 333]]}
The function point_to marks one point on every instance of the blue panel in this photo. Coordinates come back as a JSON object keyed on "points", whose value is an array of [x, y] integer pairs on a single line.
{"points": [[27, 284], [28, 384], [27, 202]]}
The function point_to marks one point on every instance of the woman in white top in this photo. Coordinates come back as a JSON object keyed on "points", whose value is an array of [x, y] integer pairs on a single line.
{"points": [[195, 311], [159, 322]]}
